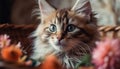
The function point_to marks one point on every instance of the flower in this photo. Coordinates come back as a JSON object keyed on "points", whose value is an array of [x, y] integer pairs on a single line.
{"points": [[107, 54], [4, 41], [11, 53], [51, 62]]}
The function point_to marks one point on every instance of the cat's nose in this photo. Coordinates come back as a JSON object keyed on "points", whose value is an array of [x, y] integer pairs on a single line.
{"points": [[59, 38]]}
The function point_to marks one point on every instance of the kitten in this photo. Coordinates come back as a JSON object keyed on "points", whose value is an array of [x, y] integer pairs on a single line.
{"points": [[66, 33]]}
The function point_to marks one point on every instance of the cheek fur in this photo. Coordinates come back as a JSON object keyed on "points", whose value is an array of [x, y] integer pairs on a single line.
{"points": [[77, 45], [45, 35], [53, 41], [70, 43]]}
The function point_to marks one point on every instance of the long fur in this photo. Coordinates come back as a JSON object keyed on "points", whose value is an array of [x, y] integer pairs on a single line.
{"points": [[73, 45]]}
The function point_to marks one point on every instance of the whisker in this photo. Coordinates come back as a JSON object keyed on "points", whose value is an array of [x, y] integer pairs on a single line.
{"points": [[88, 47], [80, 50], [84, 50]]}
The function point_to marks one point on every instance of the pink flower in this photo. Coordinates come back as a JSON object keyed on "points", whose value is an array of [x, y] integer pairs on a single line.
{"points": [[4, 41], [107, 54]]}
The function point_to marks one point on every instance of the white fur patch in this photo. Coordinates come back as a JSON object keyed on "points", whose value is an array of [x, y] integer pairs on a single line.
{"points": [[53, 42], [41, 49]]}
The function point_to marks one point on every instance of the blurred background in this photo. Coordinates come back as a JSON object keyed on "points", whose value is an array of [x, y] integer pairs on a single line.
{"points": [[21, 11]]}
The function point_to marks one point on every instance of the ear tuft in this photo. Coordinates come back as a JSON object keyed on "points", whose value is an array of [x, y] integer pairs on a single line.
{"points": [[45, 8], [82, 7]]}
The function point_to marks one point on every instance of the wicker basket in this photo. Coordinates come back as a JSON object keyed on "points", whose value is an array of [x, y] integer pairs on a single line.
{"points": [[19, 33]]}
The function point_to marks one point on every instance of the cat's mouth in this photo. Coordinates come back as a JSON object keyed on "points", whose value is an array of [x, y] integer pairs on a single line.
{"points": [[61, 43], [58, 44]]}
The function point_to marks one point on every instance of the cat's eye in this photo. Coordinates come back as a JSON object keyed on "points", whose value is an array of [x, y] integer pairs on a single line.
{"points": [[52, 28], [71, 28]]}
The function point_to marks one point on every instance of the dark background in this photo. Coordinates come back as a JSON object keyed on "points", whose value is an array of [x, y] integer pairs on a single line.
{"points": [[18, 12], [5, 10]]}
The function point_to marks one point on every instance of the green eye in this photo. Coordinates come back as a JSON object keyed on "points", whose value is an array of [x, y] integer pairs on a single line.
{"points": [[71, 28], [52, 28]]}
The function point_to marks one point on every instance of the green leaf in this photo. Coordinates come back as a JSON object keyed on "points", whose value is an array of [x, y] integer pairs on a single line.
{"points": [[85, 61]]}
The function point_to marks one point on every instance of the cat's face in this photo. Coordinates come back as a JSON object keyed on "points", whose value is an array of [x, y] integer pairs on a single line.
{"points": [[65, 30]]}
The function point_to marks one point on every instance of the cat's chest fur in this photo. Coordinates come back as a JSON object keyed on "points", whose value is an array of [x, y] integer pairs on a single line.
{"points": [[42, 50]]}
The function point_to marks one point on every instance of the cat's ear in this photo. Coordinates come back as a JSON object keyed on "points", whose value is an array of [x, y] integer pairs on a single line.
{"points": [[82, 7], [45, 8]]}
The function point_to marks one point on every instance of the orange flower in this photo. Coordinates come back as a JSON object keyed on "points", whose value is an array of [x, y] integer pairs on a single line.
{"points": [[50, 62], [11, 53]]}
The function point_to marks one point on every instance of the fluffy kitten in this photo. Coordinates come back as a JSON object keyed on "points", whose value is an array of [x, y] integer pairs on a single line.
{"points": [[66, 33]]}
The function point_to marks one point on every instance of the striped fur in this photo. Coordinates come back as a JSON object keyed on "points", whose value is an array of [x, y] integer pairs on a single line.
{"points": [[69, 46]]}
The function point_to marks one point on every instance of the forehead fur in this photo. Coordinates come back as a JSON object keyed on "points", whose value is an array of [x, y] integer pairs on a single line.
{"points": [[64, 13]]}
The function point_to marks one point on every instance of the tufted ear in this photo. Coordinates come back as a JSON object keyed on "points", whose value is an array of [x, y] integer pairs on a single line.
{"points": [[45, 8], [82, 7]]}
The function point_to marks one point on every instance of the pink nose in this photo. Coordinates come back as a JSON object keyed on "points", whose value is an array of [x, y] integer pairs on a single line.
{"points": [[59, 37]]}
